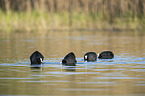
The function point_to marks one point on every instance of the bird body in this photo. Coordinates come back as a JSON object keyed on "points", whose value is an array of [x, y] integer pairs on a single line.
{"points": [[36, 58]]}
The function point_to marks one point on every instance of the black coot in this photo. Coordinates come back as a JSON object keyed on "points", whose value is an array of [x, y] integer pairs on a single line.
{"points": [[69, 59], [36, 58], [90, 56], [106, 55]]}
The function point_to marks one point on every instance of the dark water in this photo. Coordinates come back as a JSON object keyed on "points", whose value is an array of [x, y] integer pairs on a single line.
{"points": [[122, 76]]}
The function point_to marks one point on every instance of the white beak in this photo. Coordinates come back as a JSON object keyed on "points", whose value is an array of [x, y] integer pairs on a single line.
{"points": [[86, 57], [98, 55], [41, 59]]}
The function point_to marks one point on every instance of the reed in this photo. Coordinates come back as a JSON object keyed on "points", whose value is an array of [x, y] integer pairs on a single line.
{"points": [[35, 15]]}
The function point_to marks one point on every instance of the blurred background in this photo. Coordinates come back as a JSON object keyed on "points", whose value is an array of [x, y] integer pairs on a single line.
{"points": [[36, 15]]}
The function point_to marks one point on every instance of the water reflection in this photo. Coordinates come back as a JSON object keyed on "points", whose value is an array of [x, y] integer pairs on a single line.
{"points": [[124, 75], [70, 69], [36, 68]]}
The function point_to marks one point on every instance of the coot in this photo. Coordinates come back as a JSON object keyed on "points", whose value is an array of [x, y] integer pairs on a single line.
{"points": [[90, 56], [106, 55], [36, 58], [69, 59]]}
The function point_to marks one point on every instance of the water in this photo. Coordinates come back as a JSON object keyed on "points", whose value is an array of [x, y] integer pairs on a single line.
{"points": [[122, 76]]}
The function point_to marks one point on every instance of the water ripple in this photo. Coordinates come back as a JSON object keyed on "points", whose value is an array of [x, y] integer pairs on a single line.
{"points": [[117, 77]]}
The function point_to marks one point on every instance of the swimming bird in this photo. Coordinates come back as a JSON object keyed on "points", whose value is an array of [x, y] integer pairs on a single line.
{"points": [[90, 56], [106, 55], [69, 59], [36, 58]]}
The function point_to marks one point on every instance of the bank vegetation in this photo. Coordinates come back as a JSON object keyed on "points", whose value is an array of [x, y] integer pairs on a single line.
{"points": [[36, 15]]}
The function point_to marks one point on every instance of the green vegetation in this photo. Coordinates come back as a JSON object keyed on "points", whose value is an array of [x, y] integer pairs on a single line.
{"points": [[36, 15]]}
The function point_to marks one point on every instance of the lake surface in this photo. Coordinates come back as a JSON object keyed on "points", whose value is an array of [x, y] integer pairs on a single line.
{"points": [[122, 76]]}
